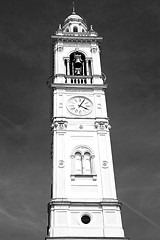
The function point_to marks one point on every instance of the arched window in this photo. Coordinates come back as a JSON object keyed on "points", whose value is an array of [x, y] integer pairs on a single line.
{"points": [[82, 161], [75, 29], [67, 30]]}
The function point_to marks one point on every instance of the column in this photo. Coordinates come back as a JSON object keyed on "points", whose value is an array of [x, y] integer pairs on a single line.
{"points": [[68, 70], [87, 67]]}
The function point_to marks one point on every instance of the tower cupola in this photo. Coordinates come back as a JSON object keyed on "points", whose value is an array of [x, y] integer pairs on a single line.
{"points": [[74, 23], [77, 49]]}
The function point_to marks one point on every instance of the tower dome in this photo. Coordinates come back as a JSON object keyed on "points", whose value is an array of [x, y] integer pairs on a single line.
{"points": [[74, 23], [72, 17]]}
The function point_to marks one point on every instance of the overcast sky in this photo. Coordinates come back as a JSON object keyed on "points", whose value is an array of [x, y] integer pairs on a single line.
{"points": [[130, 59]]}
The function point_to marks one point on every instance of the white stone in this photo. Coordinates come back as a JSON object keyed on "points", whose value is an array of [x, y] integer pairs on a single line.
{"points": [[83, 176]]}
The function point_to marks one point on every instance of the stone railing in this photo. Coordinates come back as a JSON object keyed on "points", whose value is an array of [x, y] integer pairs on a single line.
{"points": [[78, 79]]}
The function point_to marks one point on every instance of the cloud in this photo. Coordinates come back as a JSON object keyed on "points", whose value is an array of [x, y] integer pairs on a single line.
{"points": [[23, 220], [141, 215], [31, 55], [14, 208]]}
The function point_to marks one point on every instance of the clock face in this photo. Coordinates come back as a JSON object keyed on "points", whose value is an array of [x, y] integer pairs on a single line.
{"points": [[79, 106]]}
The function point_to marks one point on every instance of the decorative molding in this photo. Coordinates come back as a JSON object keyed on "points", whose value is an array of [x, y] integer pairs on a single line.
{"points": [[59, 125], [72, 37], [82, 149], [74, 177], [102, 125]]}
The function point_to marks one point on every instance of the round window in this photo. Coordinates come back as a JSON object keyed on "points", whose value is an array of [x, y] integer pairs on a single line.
{"points": [[85, 219]]}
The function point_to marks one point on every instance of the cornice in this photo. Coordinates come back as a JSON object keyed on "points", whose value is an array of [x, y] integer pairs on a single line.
{"points": [[78, 38], [105, 202], [78, 86]]}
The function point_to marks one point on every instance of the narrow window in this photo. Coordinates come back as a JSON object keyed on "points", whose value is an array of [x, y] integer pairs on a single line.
{"points": [[90, 68], [75, 29], [82, 163], [87, 163], [65, 62], [78, 163]]}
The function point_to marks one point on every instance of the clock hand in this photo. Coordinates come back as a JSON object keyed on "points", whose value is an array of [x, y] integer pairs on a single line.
{"points": [[84, 107], [81, 103]]}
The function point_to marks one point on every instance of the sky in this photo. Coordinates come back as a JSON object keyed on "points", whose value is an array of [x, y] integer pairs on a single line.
{"points": [[130, 60]]}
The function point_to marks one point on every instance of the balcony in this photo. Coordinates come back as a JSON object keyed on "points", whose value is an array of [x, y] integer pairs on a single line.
{"points": [[78, 79]]}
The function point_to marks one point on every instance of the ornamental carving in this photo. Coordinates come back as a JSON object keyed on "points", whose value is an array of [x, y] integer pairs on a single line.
{"points": [[60, 48], [94, 49], [59, 125], [61, 164], [51, 151], [105, 164], [102, 125]]}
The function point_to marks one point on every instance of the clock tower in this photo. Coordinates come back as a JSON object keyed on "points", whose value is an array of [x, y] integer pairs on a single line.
{"points": [[83, 202]]}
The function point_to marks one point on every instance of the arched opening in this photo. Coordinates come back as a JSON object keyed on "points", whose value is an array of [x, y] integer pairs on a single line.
{"points": [[77, 64], [75, 29]]}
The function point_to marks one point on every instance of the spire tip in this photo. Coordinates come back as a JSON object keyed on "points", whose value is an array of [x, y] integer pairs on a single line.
{"points": [[73, 8]]}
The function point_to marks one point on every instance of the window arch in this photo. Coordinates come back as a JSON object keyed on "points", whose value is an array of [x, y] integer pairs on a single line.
{"points": [[82, 161]]}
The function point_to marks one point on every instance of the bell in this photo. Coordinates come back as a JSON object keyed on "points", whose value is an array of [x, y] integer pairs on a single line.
{"points": [[77, 71], [78, 64], [78, 59]]}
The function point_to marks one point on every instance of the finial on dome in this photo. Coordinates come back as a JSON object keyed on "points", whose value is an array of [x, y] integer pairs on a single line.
{"points": [[73, 9], [59, 31], [92, 32]]}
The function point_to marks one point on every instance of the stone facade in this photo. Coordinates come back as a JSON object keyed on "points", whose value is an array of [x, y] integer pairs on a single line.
{"points": [[84, 203]]}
